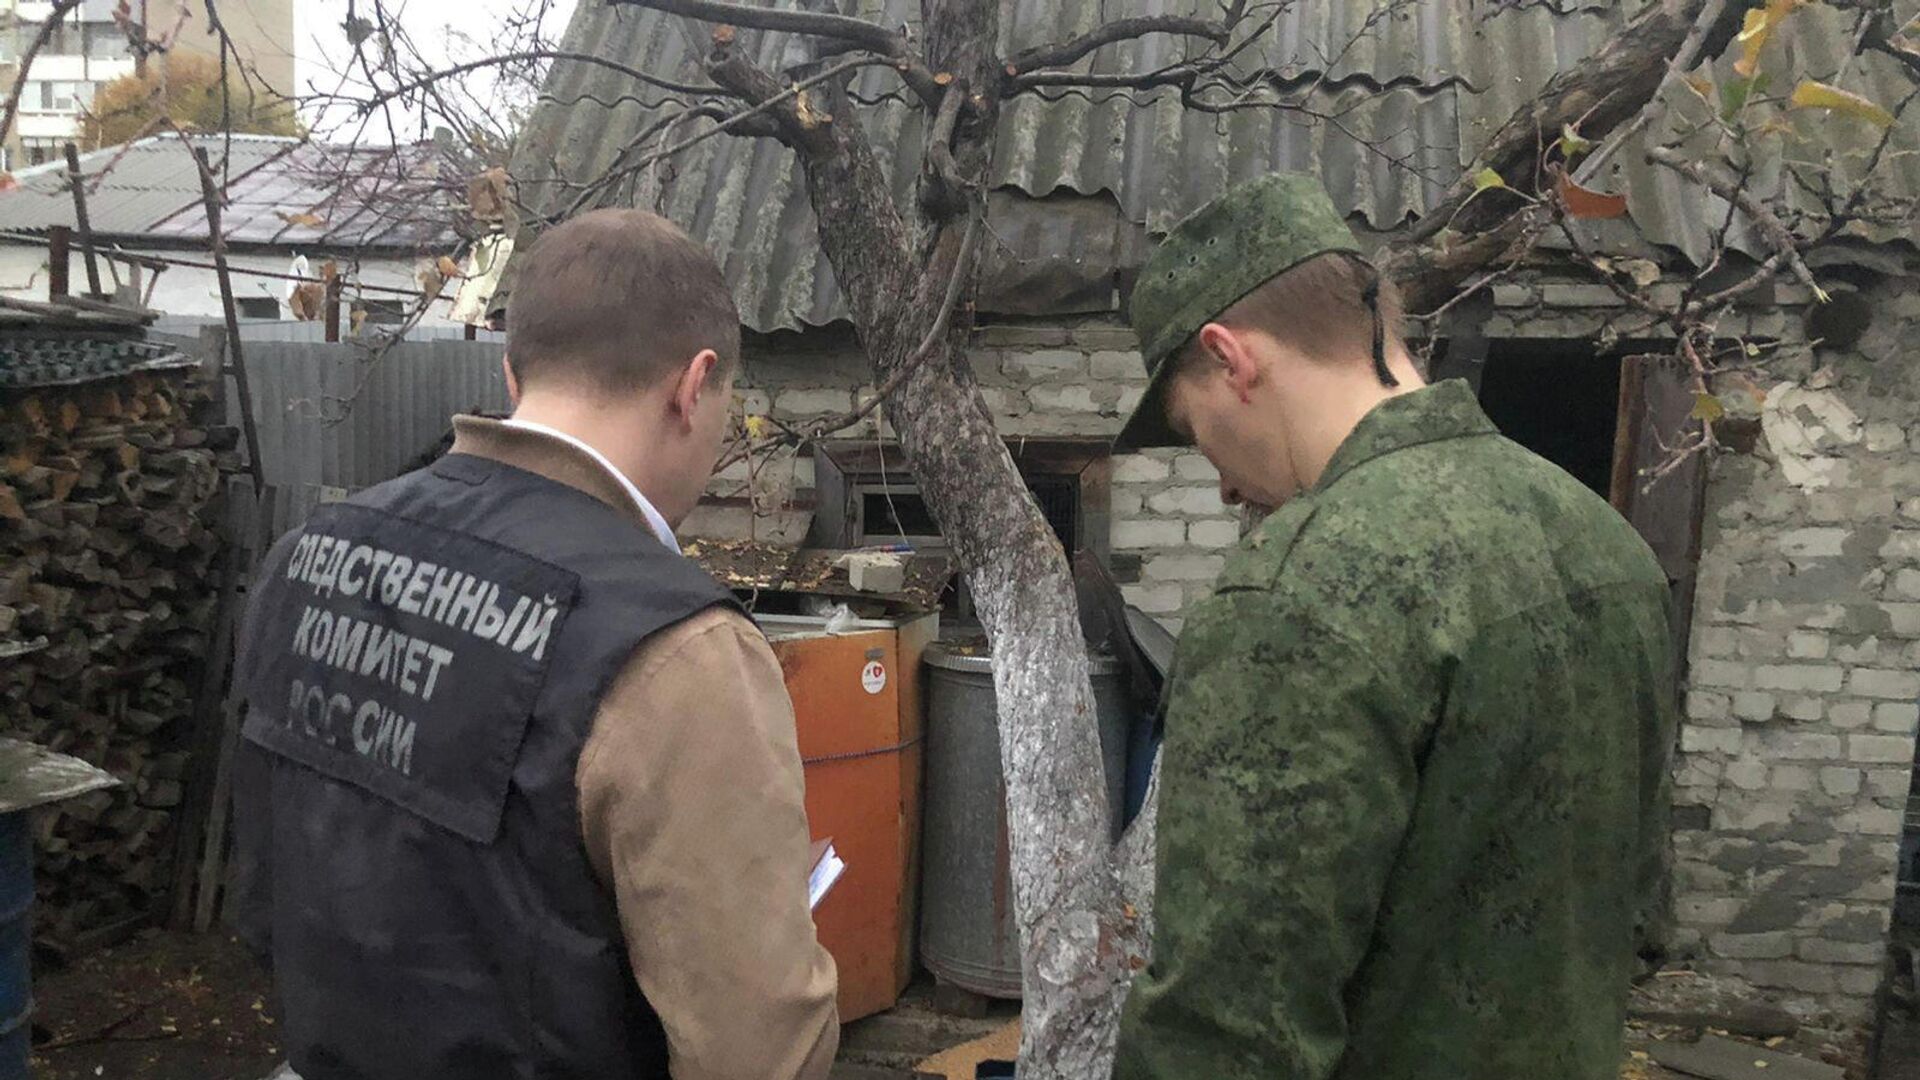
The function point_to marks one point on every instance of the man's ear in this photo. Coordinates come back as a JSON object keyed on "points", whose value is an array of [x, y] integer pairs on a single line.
{"points": [[1231, 351], [693, 385], [513, 382]]}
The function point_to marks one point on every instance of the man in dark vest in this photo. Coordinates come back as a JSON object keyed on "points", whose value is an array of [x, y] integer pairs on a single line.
{"points": [[519, 793]]}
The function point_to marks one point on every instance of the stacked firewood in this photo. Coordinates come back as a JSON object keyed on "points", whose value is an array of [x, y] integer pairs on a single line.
{"points": [[108, 536]]}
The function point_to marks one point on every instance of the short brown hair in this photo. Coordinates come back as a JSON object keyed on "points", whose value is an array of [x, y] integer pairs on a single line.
{"points": [[1319, 307], [618, 299]]}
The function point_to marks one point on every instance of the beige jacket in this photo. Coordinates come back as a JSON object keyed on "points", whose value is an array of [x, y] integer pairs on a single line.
{"points": [[691, 811]]}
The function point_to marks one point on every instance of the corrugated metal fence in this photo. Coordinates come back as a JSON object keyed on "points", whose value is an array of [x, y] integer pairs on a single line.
{"points": [[335, 418], [315, 332]]}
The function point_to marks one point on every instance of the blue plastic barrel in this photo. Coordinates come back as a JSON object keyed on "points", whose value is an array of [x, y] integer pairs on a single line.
{"points": [[16, 912]]}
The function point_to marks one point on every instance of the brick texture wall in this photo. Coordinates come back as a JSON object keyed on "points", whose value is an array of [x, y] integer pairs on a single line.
{"points": [[1797, 751]]}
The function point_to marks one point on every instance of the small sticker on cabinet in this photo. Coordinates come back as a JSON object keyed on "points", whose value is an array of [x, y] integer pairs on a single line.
{"points": [[874, 676]]}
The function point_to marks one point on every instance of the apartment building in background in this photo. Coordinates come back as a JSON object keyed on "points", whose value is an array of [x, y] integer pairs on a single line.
{"points": [[89, 49]]}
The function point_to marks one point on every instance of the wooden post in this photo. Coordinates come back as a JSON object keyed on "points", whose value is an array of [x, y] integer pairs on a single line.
{"points": [[211, 197], [80, 218], [59, 260], [332, 308]]}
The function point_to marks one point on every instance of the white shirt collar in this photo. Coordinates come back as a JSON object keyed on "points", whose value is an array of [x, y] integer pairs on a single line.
{"points": [[660, 527]]}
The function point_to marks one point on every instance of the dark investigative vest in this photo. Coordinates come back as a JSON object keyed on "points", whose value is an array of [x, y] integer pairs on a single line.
{"points": [[422, 665]]}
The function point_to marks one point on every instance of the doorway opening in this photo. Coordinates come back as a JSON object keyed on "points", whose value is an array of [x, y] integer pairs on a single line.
{"points": [[1559, 400]]}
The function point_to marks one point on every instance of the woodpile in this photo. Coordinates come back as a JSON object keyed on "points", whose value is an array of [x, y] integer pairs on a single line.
{"points": [[108, 538]]}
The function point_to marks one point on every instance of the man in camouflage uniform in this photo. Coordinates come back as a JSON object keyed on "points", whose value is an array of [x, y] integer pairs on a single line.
{"points": [[1413, 794]]}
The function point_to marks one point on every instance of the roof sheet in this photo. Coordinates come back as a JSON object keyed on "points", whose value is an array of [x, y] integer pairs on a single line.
{"points": [[150, 189], [31, 357], [1398, 111]]}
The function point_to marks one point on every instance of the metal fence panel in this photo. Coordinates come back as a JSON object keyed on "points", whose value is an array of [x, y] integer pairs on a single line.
{"points": [[331, 421]]}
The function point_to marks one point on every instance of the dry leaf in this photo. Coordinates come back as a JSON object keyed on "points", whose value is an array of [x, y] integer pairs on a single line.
{"points": [[487, 195], [359, 29], [1587, 204], [1818, 95], [356, 319], [1707, 407], [1759, 28], [308, 218], [431, 280], [1644, 272], [307, 301], [1701, 85]]}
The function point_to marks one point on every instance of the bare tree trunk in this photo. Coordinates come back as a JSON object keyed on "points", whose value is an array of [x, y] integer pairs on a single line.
{"points": [[1077, 944]]}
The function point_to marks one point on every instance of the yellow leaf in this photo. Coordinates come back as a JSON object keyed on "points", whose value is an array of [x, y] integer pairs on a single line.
{"points": [[308, 218], [758, 427], [1759, 28], [1572, 142], [1701, 85], [1818, 95], [1487, 178], [1707, 407]]}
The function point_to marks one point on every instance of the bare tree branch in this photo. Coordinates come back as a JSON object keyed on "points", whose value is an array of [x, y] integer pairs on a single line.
{"points": [[1598, 95], [1047, 56], [1778, 235], [818, 24], [432, 77], [1682, 62]]}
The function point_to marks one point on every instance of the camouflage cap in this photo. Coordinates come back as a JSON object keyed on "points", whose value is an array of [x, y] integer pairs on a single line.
{"points": [[1216, 255]]}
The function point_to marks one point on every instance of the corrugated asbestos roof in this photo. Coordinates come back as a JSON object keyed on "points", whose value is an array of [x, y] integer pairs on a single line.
{"points": [[1411, 102], [149, 191]]}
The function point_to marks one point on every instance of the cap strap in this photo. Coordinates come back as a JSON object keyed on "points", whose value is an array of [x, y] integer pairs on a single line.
{"points": [[1370, 296]]}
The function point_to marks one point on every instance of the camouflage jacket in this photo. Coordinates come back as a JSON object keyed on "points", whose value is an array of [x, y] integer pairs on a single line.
{"points": [[1414, 784]]}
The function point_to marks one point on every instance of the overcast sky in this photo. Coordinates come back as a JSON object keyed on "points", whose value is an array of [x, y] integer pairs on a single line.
{"points": [[436, 27]]}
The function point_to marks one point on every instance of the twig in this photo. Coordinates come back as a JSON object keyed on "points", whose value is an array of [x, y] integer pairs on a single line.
{"points": [[760, 108], [1769, 224], [1047, 56], [818, 24], [104, 1032], [432, 77], [1682, 62]]}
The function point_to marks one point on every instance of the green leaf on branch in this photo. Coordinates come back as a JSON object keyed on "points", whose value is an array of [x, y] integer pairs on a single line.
{"points": [[1487, 178], [1572, 143], [1819, 95], [1735, 94]]}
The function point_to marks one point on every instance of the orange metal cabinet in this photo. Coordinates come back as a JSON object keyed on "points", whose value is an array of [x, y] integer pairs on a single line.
{"points": [[857, 703]]}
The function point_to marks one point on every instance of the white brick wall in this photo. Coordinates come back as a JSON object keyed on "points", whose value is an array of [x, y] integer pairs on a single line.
{"points": [[1796, 753]]}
